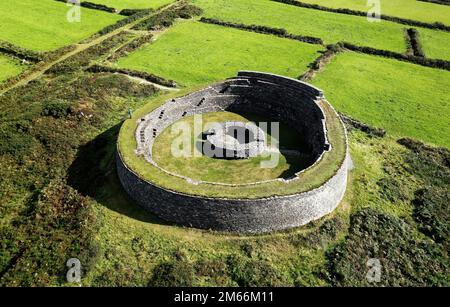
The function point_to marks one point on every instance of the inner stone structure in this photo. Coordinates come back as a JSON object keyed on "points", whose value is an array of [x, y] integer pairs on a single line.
{"points": [[299, 105], [234, 140]]}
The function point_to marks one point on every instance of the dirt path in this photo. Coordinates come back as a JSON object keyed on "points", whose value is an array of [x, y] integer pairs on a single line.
{"points": [[79, 48]]}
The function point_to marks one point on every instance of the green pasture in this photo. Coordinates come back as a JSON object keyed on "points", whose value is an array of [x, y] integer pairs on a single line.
{"points": [[435, 44], [43, 25], [403, 98], [409, 9], [330, 27], [9, 68], [196, 53], [203, 168]]}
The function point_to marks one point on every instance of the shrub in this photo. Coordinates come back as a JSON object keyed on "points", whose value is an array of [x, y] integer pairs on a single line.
{"points": [[429, 164], [14, 141], [405, 260], [56, 109], [321, 236], [215, 272], [254, 273], [173, 274], [432, 213]]}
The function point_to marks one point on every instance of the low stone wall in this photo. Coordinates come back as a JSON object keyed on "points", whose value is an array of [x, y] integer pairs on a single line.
{"points": [[287, 100]]}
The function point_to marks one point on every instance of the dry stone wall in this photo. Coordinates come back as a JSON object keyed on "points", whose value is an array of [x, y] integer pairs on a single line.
{"points": [[284, 99]]}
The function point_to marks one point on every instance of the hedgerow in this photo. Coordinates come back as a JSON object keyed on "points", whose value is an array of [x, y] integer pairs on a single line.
{"points": [[352, 123], [132, 18], [442, 64], [20, 52], [414, 42], [93, 6], [131, 46], [280, 32], [133, 73], [166, 18], [83, 59], [443, 2], [436, 25]]}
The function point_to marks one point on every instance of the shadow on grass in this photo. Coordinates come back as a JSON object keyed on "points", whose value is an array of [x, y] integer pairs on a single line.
{"points": [[93, 174]]}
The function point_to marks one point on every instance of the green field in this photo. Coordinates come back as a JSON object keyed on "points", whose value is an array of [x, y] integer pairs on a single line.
{"points": [[435, 44], [405, 99], [330, 27], [410, 9], [9, 68], [43, 26], [133, 4], [196, 53], [202, 168]]}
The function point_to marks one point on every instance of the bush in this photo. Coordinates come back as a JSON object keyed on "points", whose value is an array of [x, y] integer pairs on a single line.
{"points": [[177, 273], [215, 272], [56, 109], [432, 213], [321, 236], [405, 260], [254, 273], [429, 164], [14, 141], [58, 225], [392, 189]]}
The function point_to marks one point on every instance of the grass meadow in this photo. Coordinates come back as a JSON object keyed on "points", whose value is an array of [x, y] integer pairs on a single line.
{"points": [[9, 67], [403, 98], [410, 9], [435, 44], [133, 4], [200, 167], [43, 26], [330, 27], [196, 53]]}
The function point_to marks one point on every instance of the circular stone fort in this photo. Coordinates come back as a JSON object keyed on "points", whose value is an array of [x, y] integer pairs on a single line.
{"points": [[250, 207]]}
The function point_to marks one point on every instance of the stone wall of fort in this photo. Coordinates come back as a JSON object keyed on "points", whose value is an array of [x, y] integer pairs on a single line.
{"points": [[283, 99]]}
